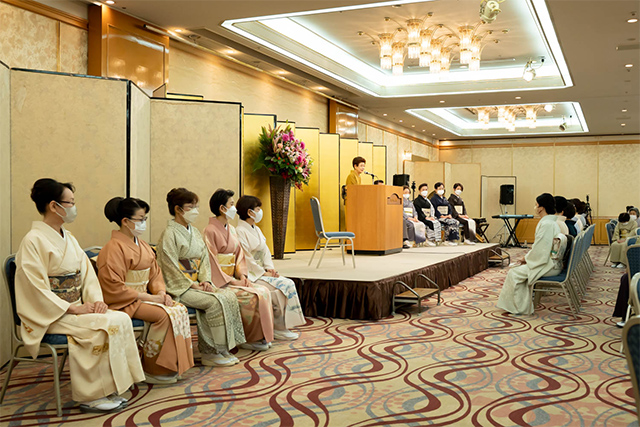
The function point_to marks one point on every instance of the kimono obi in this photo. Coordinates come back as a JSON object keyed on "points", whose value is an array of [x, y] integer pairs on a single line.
{"points": [[137, 280], [67, 287], [227, 263], [408, 211], [426, 212], [444, 210], [459, 209], [190, 268], [558, 248]]}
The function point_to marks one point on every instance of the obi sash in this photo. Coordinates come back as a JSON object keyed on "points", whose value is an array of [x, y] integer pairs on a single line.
{"points": [[67, 287], [190, 268], [227, 263], [444, 210], [459, 209], [408, 211], [137, 280]]}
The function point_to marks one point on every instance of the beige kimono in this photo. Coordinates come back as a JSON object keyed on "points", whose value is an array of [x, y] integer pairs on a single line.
{"points": [[126, 269], [53, 272], [621, 232]]}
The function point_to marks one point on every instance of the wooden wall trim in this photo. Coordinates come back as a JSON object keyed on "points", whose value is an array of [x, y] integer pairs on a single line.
{"points": [[395, 132], [49, 12], [539, 144]]}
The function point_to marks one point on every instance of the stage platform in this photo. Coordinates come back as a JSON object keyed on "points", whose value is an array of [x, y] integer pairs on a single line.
{"points": [[340, 291]]}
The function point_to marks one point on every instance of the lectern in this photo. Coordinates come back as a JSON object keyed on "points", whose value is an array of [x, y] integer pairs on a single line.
{"points": [[374, 214]]}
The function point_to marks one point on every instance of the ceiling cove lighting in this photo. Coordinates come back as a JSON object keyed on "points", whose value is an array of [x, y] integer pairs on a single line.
{"points": [[508, 114]]}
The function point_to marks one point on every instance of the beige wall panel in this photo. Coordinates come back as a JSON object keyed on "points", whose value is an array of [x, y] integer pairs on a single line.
{"points": [[469, 176], [257, 183], [494, 161], [391, 141], [305, 229], [205, 134], [429, 172], [329, 184], [380, 162], [448, 179], [70, 129], [434, 155], [375, 135], [348, 150], [619, 184], [464, 155], [576, 173], [74, 44], [290, 241], [404, 145], [5, 208], [363, 132], [27, 40], [140, 186], [196, 72], [533, 167], [365, 149]]}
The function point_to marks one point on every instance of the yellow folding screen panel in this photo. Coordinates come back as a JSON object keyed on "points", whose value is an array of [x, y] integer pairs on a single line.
{"points": [[329, 186], [290, 242], [365, 149], [379, 167], [305, 230], [348, 150], [257, 183]]}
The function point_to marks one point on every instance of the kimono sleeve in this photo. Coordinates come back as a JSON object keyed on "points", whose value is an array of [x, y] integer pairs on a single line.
{"points": [[112, 273], [254, 268], [540, 252], [218, 277], [156, 281], [168, 255]]}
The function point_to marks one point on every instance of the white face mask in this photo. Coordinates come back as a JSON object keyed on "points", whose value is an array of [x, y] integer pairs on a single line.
{"points": [[440, 192], [191, 215], [257, 215], [424, 194], [70, 214], [140, 227], [406, 196], [231, 212], [458, 192], [633, 217]]}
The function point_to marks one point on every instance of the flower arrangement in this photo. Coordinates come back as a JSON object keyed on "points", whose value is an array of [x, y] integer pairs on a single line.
{"points": [[284, 155]]}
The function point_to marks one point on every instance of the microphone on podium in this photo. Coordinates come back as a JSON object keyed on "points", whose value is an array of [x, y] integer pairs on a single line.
{"points": [[370, 174]]}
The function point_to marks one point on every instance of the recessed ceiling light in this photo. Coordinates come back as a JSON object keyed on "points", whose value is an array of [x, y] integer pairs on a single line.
{"points": [[413, 126], [518, 97], [628, 65], [548, 108], [623, 124], [110, 2], [433, 134], [230, 51], [321, 88], [442, 101], [400, 121], [633, 19], [424, 130], [282, 72], [385, 114], [624, 110]]}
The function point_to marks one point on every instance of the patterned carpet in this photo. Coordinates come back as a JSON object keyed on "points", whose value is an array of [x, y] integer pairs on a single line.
{"points": [[461, 363]]}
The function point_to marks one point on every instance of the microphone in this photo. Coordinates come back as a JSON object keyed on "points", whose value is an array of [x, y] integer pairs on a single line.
{"points": [[369, 173]]}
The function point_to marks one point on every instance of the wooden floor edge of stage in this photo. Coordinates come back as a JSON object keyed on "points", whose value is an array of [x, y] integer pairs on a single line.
{"points": [[372, 300]]}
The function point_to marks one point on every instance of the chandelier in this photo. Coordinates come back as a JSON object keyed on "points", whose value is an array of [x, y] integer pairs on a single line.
{"points": [[508, 114], [434, 46]]}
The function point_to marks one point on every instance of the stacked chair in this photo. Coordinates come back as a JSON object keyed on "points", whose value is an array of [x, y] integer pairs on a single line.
{"points": [[631, 342], [572, 281]]}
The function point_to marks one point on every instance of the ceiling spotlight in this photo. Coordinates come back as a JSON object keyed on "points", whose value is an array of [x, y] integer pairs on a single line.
{"points": [[628, 65], [178, 30], [400, 121], [624, 110], [548, 108], [442, 101], [518, 97], [489, 10], [623, 124], [385, 114], [110, 2], [529, 73], [413, 126], [633, 18], [563, 126]]}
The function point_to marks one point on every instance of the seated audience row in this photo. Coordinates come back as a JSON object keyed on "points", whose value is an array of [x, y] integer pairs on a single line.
{"points": [[227, 277], [625, 228]]}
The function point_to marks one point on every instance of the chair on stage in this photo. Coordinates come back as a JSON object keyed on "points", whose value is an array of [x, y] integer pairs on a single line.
{"points": [[610, 226], [51, 343], [631, 343], [340, 236]]}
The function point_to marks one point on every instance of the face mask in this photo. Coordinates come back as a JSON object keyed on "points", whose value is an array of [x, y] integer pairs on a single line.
{"points": [[191, 215], [633, 217], [424, 194], [406, 196], [140, 227], [458, 192], [70, 213], [231, 212], [258, 216], [440, 192]]}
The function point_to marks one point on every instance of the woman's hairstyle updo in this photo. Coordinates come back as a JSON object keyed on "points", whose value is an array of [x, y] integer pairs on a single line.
{"points": [[624, 217], [46, 190], [546, 201], [219, 198], [180, 197], [120, 208], [569, 210]]}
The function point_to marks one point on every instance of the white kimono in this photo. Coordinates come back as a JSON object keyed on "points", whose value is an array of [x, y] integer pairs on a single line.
{"points": [[515, 296], [53, 272], [286, 303]]}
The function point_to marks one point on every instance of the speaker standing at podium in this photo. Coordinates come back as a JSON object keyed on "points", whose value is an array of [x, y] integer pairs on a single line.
{"points": [[354, 177]]}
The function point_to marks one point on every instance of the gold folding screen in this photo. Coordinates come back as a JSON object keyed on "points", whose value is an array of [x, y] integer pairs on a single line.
{"points": [[305, 230], [379, 168], [348, 150], [329, 171], [365, 149]]}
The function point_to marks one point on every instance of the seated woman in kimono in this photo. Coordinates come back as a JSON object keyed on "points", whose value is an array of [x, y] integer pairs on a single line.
{"points": [[287, 311], [426, 215], [413, 231], [624, 228], [132, 283], [561, 203], [569, 213], [460, 214], [444, 213], [229, 270], [57, 292], [185, 265], [541, 260]]}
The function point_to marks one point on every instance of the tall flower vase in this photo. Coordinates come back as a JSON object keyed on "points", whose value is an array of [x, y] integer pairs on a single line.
{"points": [[280, 195]]}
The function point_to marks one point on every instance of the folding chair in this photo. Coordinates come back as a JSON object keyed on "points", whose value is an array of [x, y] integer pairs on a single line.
{"points": [[610, 226], [340, 236], [631, 344]]}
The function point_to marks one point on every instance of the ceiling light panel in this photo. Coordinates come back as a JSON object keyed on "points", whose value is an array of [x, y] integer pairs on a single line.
{"points": [[326, 42]]}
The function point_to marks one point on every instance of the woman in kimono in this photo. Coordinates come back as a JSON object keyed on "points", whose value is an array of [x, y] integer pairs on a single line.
{"points": [[287, 311], [57, 292], [460, 214], [624, 228], [185, 265], [515, 296], [413, 230], [444, 213], [426, 215], [132, 283], [229, 271]]}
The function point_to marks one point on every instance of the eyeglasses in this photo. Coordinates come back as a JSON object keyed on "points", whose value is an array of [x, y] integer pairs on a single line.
{"points": [[67, 202], [138, 219]]}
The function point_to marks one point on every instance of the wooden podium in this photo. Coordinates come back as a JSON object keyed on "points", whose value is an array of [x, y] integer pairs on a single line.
{"points": [[374, 214]]}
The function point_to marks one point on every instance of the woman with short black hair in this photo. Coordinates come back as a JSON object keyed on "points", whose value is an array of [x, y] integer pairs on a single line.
{"points": [[460, 214], [426, 215]]}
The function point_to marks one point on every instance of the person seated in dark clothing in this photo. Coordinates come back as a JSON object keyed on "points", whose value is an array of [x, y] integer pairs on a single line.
{"points": [[426, 215], [444, 213], [569, 212], [622, 301], [460, 214]]}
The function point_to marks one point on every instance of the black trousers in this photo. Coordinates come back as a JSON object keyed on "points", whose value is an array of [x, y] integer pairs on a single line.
{"points": [[622, 302]]}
